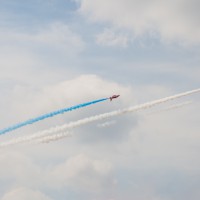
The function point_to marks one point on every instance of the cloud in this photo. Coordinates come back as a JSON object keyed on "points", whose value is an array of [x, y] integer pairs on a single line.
{"points": [[24, 194], [29, 178], [135, 160], [110, 38], [56, 35], [83, 172], [85, 87], [27, 102], [16, 168], [170, 20], [42, 53]]}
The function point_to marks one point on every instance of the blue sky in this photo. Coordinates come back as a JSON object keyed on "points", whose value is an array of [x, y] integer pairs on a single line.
{"points": [[58, 53]]}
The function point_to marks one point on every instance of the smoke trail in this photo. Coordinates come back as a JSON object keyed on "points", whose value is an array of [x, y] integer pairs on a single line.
{"points": [[54, 137], [42, 117], [45, 135], [105, 124], [176, 106]]}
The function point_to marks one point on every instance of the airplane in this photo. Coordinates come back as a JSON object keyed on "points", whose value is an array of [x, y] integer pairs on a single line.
{"points": [[114, 97]]}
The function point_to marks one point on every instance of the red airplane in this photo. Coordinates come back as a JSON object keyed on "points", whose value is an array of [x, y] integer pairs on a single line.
{"points": [[114, 97]]}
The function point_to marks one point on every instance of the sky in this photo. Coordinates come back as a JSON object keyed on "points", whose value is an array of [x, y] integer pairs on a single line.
{"points": [[59, 53]]}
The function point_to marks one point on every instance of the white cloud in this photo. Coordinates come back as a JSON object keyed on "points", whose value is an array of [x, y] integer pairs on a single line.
{"points": [[83, 172], [82, 88], [27, 102], [18, 168], [89, 86], [55, 35], [40, 56], [103, 167], [139, 157], [111, 38], [59, 35], [172, 20], [24, 194]]}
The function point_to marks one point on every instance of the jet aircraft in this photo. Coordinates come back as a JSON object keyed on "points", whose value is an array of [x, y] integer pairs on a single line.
{"points": [[114, 97]]}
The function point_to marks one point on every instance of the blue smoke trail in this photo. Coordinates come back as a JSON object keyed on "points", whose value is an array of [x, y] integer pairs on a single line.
{"points": [[51, 114]]}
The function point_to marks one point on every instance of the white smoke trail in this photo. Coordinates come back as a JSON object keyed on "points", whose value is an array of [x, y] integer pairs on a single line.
{"points": [[54, 137], [45, 135], [105, 124], [176, 106]]}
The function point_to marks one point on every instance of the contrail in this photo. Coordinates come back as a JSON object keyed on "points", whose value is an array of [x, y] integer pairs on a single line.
{"points": [[51, 114], [45, 135]]}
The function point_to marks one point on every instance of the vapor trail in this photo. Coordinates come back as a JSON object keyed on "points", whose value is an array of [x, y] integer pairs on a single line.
{"points": [[51, 114], [46, 134]]}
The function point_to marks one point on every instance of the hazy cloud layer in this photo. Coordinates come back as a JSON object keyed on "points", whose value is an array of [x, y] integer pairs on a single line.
{"points": [[171, 20], [23, 194], [137, 157], [56, 54]]}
